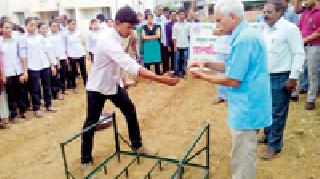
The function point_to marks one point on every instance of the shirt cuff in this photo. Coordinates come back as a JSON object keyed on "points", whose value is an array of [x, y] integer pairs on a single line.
{"points": [[294, 74], [134, 69]]}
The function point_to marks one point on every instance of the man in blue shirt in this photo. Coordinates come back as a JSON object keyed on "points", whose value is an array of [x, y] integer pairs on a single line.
{"points": [[246, 74]]}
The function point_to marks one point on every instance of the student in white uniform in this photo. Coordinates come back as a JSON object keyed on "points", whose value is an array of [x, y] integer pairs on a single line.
{"points": [[30, 48], [93, 38], [48, 66], [76, 53], [15, 72], [58, 39]]}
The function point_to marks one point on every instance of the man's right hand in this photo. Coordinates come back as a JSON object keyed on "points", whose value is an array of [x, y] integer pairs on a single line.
{"points": [[170, 81], [195, 63]]}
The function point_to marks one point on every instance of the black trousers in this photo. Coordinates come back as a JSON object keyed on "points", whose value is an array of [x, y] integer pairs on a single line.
{"points": [[91, 57], [34, 88], [164, 58], [16, 95], [171, 56], [63, 70], [156, 67], [74, 71], [55, 85], [45, 77], [95, 104]]}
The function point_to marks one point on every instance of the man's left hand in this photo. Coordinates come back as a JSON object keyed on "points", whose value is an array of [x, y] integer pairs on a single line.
{"points": [[291, 85], [197, 74]]}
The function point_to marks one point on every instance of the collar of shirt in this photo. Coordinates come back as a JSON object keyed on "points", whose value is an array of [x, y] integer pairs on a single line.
{"points": [[117, 35], [238, 30], [277, 25], [7, 40]]}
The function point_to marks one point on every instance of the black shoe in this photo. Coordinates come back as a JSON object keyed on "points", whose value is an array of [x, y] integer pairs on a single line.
{"points": [[294, 98], [310, 106], [269, 153], [302, 91], [262, 141]]}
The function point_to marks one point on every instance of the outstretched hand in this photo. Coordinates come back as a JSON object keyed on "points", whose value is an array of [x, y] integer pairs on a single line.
{"points": [[168, 79], [197, 74]]}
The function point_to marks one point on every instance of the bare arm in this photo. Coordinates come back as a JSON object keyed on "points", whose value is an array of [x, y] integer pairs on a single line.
{"points": [[217, 66], [175, 49], [216, 79], [151, 37], [165, 79], [312, 37]]}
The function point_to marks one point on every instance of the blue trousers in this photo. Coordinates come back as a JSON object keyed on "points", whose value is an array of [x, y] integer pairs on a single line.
{"points": [[280, 108], [34, 88], [180, 62]]}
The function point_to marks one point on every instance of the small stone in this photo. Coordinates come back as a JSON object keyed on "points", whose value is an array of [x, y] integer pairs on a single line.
{"points": [[298, 131], [301, 153]]}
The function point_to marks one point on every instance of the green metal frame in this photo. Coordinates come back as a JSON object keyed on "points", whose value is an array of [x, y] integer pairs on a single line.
{"points": [[181, 163]]}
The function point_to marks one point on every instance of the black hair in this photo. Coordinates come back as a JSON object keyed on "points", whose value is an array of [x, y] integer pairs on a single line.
{"points": [[100, 17], [148, 15], [71, 20], [109, 19], [21, 30], [279, 5], [29, 19], [53, 21], [181, 10], [126, 14], [40, 24], [166, 9], [5, 21], [170, 12], [93, 20]]}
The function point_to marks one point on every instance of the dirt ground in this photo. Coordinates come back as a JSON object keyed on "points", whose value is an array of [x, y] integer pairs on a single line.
{"points": [[170, 118]]}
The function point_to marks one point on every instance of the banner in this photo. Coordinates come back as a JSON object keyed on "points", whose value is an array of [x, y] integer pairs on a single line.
{"points": [[202, 41]]}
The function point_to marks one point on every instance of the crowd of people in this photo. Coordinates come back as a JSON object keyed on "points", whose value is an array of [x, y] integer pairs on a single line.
{"points": [[41, 62], [261, 67]]}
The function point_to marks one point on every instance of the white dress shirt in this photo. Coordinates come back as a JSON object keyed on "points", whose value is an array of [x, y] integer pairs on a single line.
{"points": [[74, 45], [11, 60], [31, 47], [285, 50], [104, 76], [162, 21], [48, 52], [50, 49], [181, 33], [59, 43], [92, 40]]}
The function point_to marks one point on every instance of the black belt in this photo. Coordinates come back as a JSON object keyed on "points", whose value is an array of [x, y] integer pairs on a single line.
{"points": [[310, 45], [280, 73]]}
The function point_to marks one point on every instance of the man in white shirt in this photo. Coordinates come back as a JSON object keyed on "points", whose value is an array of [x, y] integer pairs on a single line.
{"points": [[101, 19], [15, 71], [93, 38], [180, 37], [76, 53], [161, 19], [109, 23], [48, 67], [31, 49], [285, 58], [104, 82], [58, 39]]}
